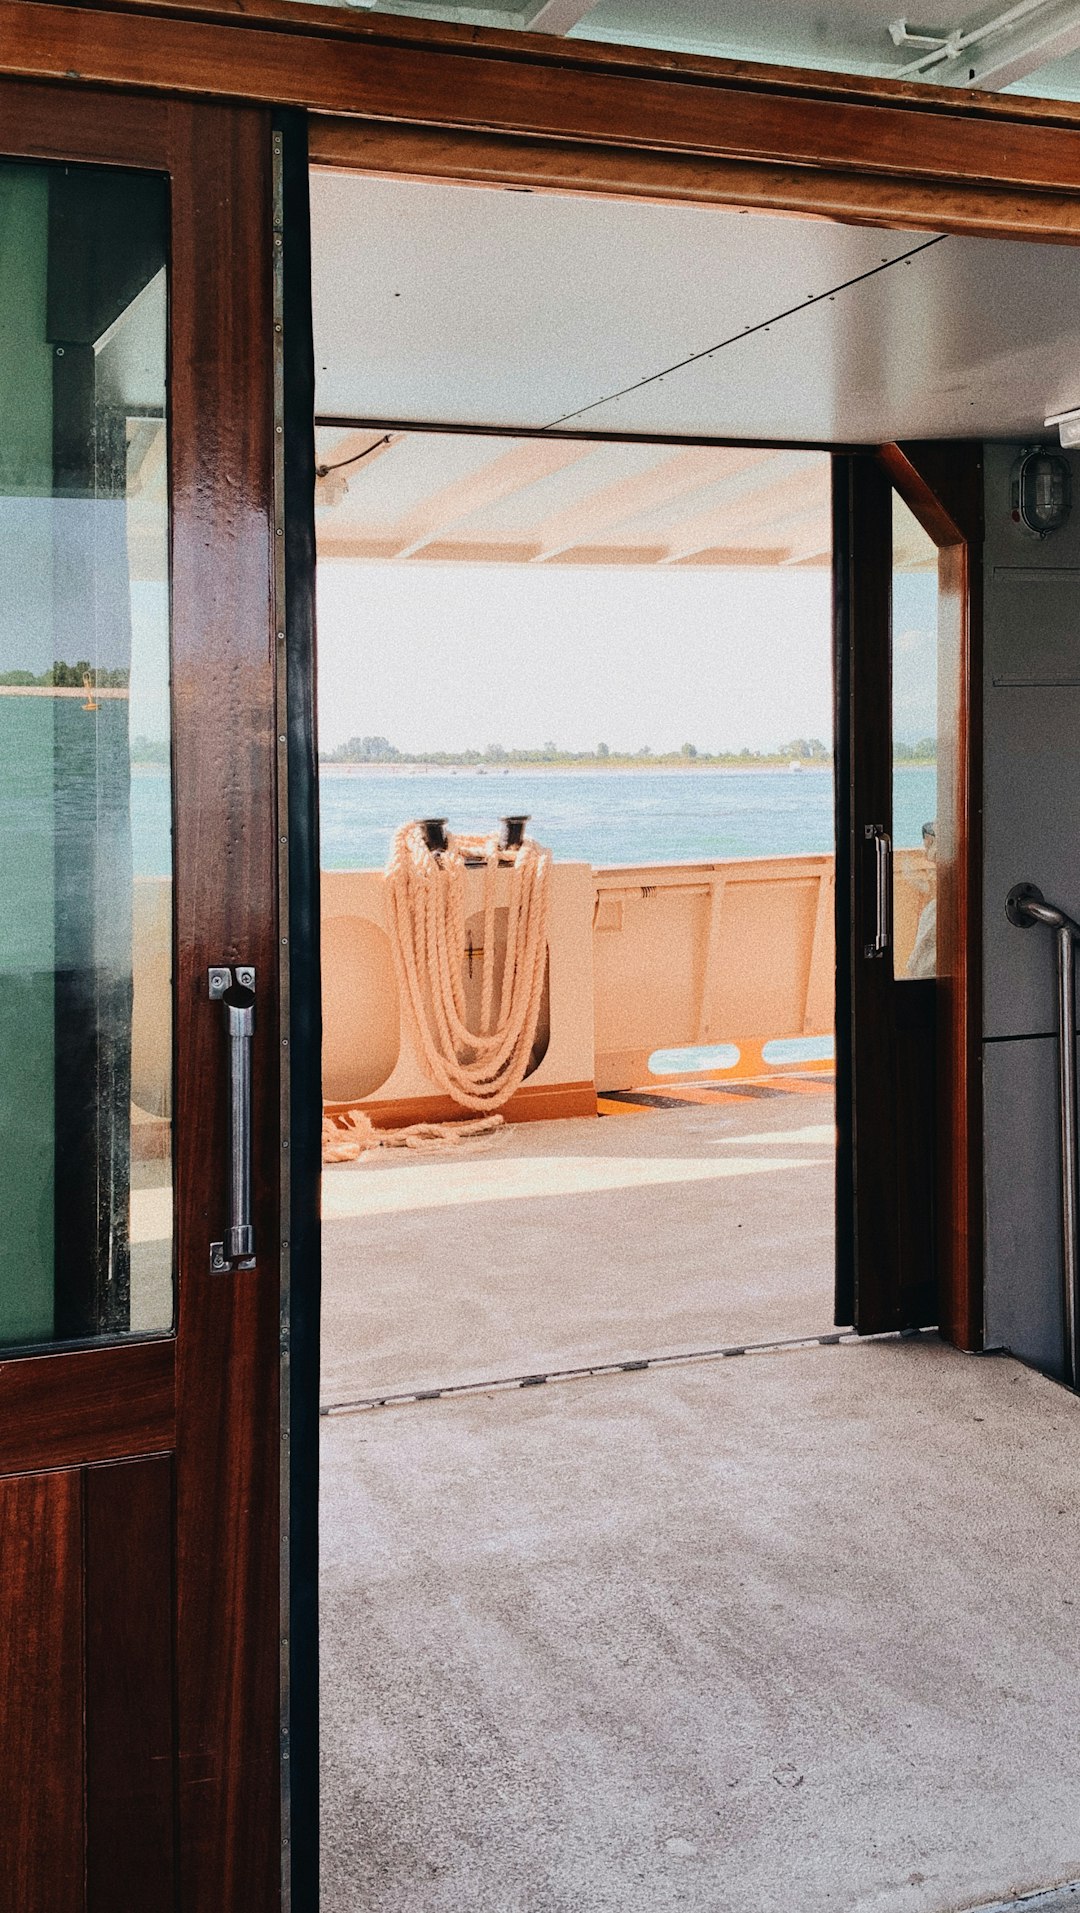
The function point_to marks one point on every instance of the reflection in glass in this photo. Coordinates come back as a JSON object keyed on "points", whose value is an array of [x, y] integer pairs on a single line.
{"points": [[915, 745], [85, 819]]}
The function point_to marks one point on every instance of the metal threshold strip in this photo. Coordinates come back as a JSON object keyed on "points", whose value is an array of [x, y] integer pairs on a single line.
{"points": [[360, 1404], [1054, 1899]]}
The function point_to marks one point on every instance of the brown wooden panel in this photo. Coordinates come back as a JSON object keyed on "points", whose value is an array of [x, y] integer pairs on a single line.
{"points": [[130, 1833], [117, 129], [41, 1693], [87, 1404], [493, 159], [223, 691], [917, 1065], [959, 941], [555, 50], [132, 133], [298, 56], [940, 481], [943, 485], [95, 1404]]}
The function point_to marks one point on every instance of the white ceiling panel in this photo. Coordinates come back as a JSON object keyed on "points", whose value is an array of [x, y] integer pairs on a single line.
{"points": [[482, 307], [970, 338], [509, 308]]}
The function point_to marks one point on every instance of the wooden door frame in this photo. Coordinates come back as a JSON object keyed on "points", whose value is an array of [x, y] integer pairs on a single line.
{"points": [[426, 100], [436, 100], [942, 485], [199, 1407], [884, 1043], [301, 1106]]}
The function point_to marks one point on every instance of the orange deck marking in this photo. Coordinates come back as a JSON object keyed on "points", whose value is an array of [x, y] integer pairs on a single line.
{"points": [[716, 1095], [742, 1090]]}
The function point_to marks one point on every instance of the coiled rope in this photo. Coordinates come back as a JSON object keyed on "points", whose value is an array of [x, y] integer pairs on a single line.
{"points": [[349, 1134], [425, 899]]}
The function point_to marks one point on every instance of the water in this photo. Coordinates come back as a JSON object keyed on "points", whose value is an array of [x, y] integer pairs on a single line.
{"points": [[597, 817]]}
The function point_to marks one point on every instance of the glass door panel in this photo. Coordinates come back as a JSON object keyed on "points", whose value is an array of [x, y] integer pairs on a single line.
{"points": [[914, 745], [86, 1199]]}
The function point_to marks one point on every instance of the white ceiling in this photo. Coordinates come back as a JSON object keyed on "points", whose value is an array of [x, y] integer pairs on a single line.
{"points": [[439, 497], [466, 305]]}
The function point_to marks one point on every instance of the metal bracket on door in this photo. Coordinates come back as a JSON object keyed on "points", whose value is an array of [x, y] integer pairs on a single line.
{"points": [[236, 990], [882, 842]]}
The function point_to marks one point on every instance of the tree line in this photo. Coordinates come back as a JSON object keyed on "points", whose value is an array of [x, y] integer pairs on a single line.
{"points": [[379, 750], [70, 677]]}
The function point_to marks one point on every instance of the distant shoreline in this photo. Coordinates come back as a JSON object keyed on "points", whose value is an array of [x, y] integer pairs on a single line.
{"points": [[586, 764], [771, 767]]}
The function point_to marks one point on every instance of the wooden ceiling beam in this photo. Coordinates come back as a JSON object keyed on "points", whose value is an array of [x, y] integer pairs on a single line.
{"points": [[878, 136], [334, 21], [767, 497], [811, 539], [601, 171], [760, 493], [526, 462], [627, 499]]}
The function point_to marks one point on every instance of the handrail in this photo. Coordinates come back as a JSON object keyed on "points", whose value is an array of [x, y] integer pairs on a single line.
{"points": [[1025, 905]]}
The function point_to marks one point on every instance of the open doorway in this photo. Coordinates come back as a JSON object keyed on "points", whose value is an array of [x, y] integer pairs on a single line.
{"points": [[610, 1642], [629, 645]]}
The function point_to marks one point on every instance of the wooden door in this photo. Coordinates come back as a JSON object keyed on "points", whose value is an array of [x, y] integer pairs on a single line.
{"points": [[907, 521], [139, 1430]]}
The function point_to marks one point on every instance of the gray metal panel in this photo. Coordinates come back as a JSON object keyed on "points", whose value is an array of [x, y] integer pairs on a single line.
{"points": [[1031, 779], [1023, 1201], [1031, 834]]}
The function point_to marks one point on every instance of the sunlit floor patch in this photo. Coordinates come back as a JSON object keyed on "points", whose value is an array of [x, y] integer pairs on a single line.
{"points": [[811, 1133], [436, 1185], [151, 1214], [566, 1244]]}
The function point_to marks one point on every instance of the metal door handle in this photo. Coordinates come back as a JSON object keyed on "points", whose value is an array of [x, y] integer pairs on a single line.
{"points": [[882, 842], [236, 990], [1024, 906]]}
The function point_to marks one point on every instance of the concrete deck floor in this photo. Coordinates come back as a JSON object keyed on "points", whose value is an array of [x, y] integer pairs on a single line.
{"points": [[566, 1243], [793, 1633]]}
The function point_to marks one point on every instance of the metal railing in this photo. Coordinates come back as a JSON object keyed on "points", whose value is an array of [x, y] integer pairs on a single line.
{"points": [[1024, 906]]}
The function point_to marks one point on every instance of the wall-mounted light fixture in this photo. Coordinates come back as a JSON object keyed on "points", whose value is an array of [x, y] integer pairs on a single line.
{"points": [[1041, 491]]}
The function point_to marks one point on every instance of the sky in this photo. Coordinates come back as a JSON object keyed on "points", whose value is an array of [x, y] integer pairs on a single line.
{"points": [[458, 656], [915, 598]]}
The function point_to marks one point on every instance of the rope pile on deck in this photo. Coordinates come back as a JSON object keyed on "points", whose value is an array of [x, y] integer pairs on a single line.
{"points": [[479, 1066], [351, 1134]]}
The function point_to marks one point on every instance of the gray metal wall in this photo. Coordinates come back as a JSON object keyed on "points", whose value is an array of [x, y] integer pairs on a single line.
{"points": [[1032, 834]]}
